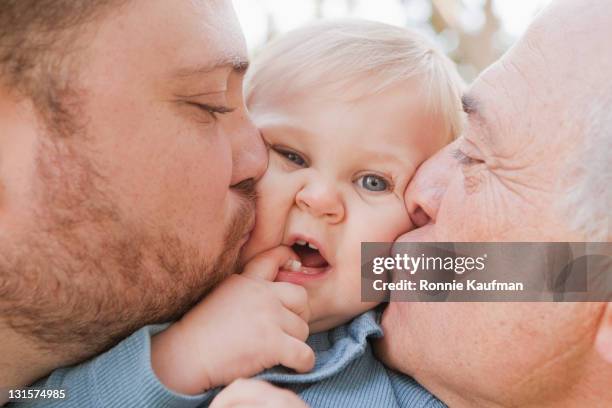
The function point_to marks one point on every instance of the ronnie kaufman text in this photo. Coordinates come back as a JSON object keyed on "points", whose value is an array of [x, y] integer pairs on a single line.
{"points": [[468, 285]]}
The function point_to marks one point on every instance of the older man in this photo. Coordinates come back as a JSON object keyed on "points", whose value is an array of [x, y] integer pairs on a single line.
{"points": [[534, 164], [127, 163]]}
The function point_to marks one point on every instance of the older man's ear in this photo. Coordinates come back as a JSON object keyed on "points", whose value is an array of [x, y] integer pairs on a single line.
{"points": [[603, 341]]}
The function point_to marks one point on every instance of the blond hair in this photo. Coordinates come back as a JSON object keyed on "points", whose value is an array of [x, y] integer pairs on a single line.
{"points": [[350, 59]]}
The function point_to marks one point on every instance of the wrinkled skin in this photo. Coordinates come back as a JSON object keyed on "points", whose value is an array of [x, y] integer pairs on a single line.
{"points": [[503, 180]]}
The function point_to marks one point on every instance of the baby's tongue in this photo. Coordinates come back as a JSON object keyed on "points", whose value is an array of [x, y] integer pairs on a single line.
{"points": [[311, 258]]}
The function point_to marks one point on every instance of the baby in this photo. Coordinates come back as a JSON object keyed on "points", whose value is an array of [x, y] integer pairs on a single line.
{"points": [[348, 110]]}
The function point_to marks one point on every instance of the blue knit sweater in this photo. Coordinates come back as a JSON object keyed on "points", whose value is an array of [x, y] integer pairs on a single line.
{"points": [[346, 374]]}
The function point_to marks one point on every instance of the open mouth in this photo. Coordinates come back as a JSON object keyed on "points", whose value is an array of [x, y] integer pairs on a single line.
{"points": [[311, 259]]}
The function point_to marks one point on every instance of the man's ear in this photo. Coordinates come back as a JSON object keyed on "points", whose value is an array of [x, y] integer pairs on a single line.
{"points": [[603, 341]]}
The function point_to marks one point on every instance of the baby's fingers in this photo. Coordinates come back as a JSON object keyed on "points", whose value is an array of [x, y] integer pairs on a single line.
{"points": [[294, 326], [296, 354], [255, 393], [294, 298], [266, 265]]}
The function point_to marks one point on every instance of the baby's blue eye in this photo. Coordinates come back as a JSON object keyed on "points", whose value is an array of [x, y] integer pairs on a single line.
{"points": [[292, 157], [372, 182]]}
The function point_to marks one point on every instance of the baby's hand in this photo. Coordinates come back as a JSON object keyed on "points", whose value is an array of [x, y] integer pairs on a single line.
{"points": [[247, 324], [256, 393]]}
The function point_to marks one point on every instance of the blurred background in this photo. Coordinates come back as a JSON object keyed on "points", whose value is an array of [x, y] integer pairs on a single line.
{"points": [[474, 33]]}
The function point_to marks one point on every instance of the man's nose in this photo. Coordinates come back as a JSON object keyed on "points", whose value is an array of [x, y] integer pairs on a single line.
{"points": [[428, 186], [249, 154], [322, 200]]}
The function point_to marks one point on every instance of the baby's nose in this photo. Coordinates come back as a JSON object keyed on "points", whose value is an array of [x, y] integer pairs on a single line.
{"points": [[321, 200]]}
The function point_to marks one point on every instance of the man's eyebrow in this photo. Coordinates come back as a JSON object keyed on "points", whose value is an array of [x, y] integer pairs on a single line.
{"points": [[472, 106], [469, 104], [237, 64]]}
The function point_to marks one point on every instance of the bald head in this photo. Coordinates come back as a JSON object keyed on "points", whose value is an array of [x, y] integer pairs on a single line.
{"points": [[545, 107], [574, 72], [574, 35]]}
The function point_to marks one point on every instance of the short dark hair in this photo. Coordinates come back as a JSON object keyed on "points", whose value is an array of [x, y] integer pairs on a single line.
{"points": [[36, 35]]}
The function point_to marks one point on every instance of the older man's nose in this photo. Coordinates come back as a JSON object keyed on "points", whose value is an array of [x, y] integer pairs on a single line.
{"points": [[249, 154], [321, 200], [428, 186]]}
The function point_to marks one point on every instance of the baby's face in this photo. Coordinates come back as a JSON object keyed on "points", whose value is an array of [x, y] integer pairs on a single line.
{"points": [[336, 178]]}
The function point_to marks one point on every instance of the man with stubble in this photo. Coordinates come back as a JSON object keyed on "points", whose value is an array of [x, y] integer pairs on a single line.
{"points": [[127, 165]]}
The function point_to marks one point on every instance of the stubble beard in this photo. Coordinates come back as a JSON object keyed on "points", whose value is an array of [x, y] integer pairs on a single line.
{"points": [[81, 277]]}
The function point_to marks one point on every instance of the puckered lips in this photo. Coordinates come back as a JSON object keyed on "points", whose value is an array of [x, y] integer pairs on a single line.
{"points": [[314, 262]]}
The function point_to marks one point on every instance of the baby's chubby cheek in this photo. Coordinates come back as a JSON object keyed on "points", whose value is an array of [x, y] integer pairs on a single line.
{"points": [[275, 198], [387, 229]]}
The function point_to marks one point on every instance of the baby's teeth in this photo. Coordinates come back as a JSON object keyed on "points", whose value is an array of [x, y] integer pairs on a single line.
{"points": [[293, 265], [312, 246], [300, 242]]}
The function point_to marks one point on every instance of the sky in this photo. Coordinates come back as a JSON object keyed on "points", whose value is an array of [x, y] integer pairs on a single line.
{"points": [[288, 14]]}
